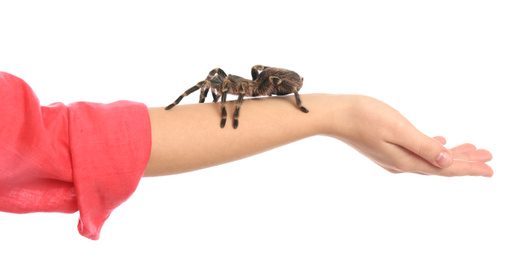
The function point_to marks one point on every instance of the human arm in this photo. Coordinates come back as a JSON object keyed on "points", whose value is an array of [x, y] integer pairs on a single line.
{"points": [[188, 137]]}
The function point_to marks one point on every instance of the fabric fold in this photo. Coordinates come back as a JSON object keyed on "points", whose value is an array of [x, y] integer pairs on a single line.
{"points": [[110, 150], [86, 157]]}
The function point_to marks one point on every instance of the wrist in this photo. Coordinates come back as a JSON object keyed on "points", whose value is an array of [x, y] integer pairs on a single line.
{"points": [[336, 115]]}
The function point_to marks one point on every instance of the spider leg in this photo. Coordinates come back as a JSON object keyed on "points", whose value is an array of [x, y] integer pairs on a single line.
{"points": [[216, 71], [242, 92], [210, 76], [299, 101], [215, 96], [277, 81], [255, 71], [186, 93], [224, 89], [202, 95]]}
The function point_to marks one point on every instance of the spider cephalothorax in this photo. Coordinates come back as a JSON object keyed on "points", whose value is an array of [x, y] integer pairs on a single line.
{"points": [[266, 81]]}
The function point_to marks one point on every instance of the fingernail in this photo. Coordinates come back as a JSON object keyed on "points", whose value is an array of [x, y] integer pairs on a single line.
{"points": [[444, 159]]}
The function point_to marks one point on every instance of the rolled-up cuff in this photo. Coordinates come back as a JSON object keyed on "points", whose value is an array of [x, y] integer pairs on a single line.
{"points": [[110, 146]]}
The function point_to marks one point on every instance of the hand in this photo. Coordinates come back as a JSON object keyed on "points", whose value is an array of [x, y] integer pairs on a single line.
{"points": [[383, 135]]}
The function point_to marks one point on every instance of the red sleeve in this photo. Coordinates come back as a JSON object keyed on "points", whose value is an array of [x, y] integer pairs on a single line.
{"points": [[85, 156]]}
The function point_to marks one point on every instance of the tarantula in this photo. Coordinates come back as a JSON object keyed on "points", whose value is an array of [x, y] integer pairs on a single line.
{"points": [[269, 81]]}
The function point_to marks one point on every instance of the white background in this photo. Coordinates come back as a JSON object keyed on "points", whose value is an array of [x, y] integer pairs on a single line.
{"points": [[449, 66]]}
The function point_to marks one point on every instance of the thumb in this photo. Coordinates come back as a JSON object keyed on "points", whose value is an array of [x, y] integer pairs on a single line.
{"points": [[444, 159], [428, 148]]}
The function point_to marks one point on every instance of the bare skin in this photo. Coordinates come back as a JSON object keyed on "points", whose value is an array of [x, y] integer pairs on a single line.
{"points": [[189, 137]]}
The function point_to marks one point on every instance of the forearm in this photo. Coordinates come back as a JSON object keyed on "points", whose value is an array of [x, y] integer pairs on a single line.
{"points": [[188, 137]]}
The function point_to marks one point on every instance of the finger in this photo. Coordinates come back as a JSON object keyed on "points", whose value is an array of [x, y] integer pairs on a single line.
{"points": [[440, 139], [464, 148], [480, 155], [428, 148], [459, 168], [466, 168]]}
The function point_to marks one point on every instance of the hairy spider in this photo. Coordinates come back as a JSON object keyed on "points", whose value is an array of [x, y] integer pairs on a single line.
{"points": [[266, 81]]}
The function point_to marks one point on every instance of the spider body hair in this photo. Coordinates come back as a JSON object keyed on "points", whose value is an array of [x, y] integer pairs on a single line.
{"points": [[267, 81]]}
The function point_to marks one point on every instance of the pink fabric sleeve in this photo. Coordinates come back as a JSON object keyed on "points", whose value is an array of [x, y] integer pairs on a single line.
{"points": [[85, 157]]}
